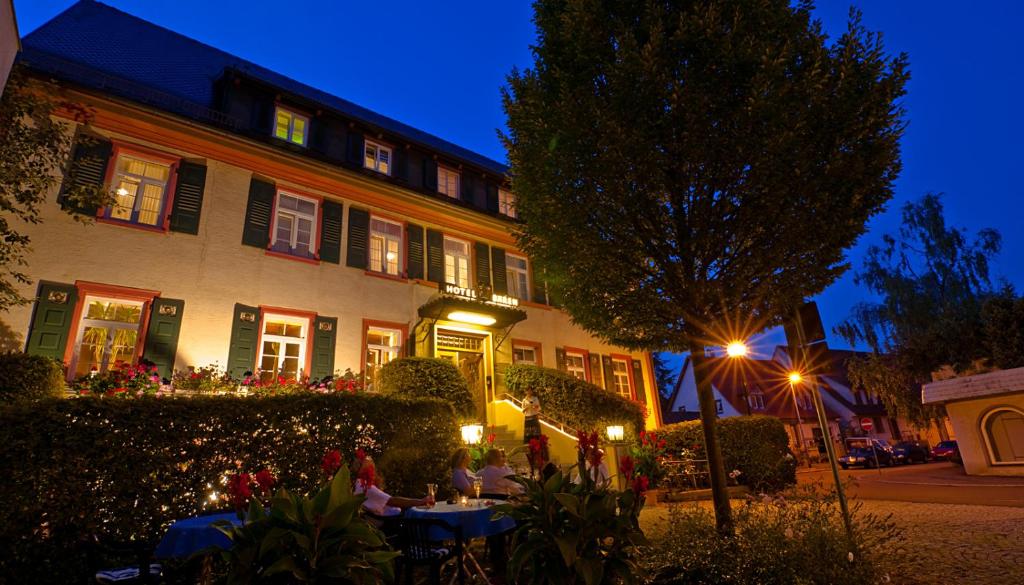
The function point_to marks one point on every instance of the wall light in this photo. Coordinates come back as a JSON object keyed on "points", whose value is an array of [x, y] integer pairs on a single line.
{"points": [[472, 434], [472, 318], [616, 433]]}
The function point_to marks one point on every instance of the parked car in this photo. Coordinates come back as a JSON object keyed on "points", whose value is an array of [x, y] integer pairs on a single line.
{"points": [[945, 450], [909, 452], [867, 453]]}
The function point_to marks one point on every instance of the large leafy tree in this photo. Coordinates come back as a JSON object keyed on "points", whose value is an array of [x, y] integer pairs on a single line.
{"points": [[34, 147], [679, 164], [932, 282]]}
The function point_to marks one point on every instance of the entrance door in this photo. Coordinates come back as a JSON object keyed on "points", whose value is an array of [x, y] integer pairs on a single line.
{"points": [[466, 352]]}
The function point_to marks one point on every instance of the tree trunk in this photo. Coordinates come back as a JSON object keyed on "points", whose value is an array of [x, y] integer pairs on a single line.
{"points": [[709, 417], [940, 425]]}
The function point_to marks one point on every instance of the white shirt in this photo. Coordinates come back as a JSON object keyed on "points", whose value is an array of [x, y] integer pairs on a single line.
{"points": [[462, 480], [376, 500], [531, 406], [495, 481], [600, 475]]}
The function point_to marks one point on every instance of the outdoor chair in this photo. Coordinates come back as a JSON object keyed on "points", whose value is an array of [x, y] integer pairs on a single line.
{"points": [[420, 549], [144, 570]]}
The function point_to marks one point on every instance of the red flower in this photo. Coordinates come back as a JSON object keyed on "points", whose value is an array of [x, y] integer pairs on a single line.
{"points": [[360, 454], [490, 439], [661, 444], [367, 474], [640, 485], [595, 457], [239, 491], [194, 375], [265, 480], [626, 466], [331, 462], [120, 390]]}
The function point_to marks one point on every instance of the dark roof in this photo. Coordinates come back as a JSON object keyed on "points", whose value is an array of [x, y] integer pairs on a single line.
{"points": [[735, 379], [98, 38]]}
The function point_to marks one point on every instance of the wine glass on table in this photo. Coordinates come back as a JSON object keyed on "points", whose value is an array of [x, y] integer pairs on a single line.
{"points": [[431, 493], [477, 484]]}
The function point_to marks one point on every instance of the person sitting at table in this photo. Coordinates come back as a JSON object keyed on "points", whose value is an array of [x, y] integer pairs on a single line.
{"points": [[379, 503], [494, 476], [462, 477]]}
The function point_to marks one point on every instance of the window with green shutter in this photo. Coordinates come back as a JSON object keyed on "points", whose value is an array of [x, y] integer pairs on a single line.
{"points": [[51, 320], [256, 231], [161, 344], [638, 381], [482, 252], [86, 171], [358, 238], [245, 335], [435, 256], [324, 339], [499, 282], [330, 232], [414, 249], [188, 198]]}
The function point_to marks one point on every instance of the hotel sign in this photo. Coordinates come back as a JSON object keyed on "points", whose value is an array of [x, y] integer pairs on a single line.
{"points": [[482, 294]]}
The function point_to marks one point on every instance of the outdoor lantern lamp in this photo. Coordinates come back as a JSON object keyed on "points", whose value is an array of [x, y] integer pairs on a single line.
{"points": [[616, 433], [736, 349], [472, 434], [472, 318]]}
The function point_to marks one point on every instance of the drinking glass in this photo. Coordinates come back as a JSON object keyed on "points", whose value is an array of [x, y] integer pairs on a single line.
{"points": [[476, 488], [432, 491]]}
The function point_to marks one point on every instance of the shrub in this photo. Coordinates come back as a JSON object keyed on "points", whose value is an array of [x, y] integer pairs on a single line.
{"points": [[428, 378], [757, 446], [573, 401], [777, 542], [123, 380], [29, 377], [128, 468]]}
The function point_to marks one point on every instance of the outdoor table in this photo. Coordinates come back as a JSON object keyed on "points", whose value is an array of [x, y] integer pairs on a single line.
{"points": [[191, 535], [475, 520]]}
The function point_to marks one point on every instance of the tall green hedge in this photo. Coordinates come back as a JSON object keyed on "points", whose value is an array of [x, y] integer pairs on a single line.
{"points": [[128, 468], [573, 401], [428, 378], [29, 377], [757, 446]]}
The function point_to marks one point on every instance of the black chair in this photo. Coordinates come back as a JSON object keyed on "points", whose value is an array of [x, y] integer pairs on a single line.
{"points": [[420, 549], [143, 571]]}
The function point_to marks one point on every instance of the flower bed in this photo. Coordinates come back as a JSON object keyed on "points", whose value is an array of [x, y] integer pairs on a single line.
{"points": [[128, 468]]}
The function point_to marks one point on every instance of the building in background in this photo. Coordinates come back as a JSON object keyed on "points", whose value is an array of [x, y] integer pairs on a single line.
{"points": [[10, 41], [260, 223]]}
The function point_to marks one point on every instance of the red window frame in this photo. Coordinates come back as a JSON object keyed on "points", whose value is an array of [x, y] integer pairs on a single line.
{"points": [[536, 345], [586, 361], [311, 316], [629, 372], [146, 153], [113, 291], [278, 189]]}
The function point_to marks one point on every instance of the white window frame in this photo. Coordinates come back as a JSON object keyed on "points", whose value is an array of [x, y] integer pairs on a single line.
{"points": [[452, 181], [296, 216], [620, 378], [384, 239], [393, 351], [455, 279], [111, 326], [377, 158], [303, 341], [521, 347], [511, 274], [142, 181], [292, 116], [507, 203], [580, 372]]}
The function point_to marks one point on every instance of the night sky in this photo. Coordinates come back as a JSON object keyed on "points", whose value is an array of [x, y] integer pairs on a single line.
{"points": [[439, 66]]}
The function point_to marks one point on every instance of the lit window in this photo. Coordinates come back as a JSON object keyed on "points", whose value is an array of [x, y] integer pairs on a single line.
{"points": [[141, 190], [377, 157], [295, 225], [456, 262], [283, 347], [576, 365], [290, 126], [517, 276], [448, 182], [385, 246], [506, 203], [108, 334], [757, 401], [382, 346], [525, 354], [620, 373]]}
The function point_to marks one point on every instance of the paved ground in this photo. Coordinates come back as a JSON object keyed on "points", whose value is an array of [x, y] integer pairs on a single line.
{"points": [[940, 482], [950, 544]]}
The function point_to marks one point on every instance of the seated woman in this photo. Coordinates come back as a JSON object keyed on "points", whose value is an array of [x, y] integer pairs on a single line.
{"points": [[495, 474], [462, 477], [378, 502]]}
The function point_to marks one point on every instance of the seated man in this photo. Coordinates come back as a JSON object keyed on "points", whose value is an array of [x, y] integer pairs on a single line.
{"points": [[378, 502], [494, 476]]}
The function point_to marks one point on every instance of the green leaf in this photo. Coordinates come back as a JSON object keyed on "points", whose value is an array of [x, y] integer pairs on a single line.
{"points": [[567, 544], [591, 569], [570, 502]]}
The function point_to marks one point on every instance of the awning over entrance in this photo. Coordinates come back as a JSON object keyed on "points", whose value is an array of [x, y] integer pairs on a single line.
{"points": [[464, 309]]}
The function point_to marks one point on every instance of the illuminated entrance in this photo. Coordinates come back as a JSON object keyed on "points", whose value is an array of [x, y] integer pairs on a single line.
{"points": [[470, 352]]}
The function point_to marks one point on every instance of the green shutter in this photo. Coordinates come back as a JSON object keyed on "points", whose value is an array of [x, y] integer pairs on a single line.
{"points": [[500, 284], [245, 335], [597, 376], [188, 198], [414, 250], [638, 379], [51, 320], [539, 294], [87, 171], [430, 174], [560, 359], [162, 335], [609, 374], [324, 335], [435, 256], [358, 238], [483, 264], [256, 231], [355, 148], [330, 232]]}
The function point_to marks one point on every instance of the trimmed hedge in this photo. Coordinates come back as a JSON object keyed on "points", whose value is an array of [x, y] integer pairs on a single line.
{"points": [[575, 402], [756, 445], [428, 378], [29, 377], [129, 468]]}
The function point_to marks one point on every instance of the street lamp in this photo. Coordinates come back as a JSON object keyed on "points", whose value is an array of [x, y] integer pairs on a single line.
{"points": [[472, 434], [615, 433], [794, 379], [736, 349]]}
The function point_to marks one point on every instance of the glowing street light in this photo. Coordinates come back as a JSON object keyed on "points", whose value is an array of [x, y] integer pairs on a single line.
{"points": [[795, 378], [736, 349], [472, 434]]}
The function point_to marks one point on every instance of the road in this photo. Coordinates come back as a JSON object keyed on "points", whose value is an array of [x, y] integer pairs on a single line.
{"points": [[937, 483]]}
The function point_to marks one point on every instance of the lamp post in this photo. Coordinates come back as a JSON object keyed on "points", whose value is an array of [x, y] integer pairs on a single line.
{"points": [[794, 379], [616, 433], [472, 434]]}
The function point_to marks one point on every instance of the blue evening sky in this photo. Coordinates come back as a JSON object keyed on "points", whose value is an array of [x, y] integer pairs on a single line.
{"points": [[439, 66]]}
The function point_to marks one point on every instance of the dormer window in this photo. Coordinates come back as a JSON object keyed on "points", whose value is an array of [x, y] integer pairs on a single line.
{"points": [[448, 182], [757, 400], [506, 203], [290, 126], [377, 157]]}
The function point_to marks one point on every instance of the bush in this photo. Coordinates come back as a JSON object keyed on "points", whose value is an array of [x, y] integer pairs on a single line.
{"points": [[29, 377], [573, 401], [428, 378], [757, 446], [777, 542], [128, 468]]}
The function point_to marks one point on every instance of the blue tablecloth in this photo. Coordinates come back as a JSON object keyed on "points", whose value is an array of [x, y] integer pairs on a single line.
{"points": [[475, 521], [191, 535]]}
